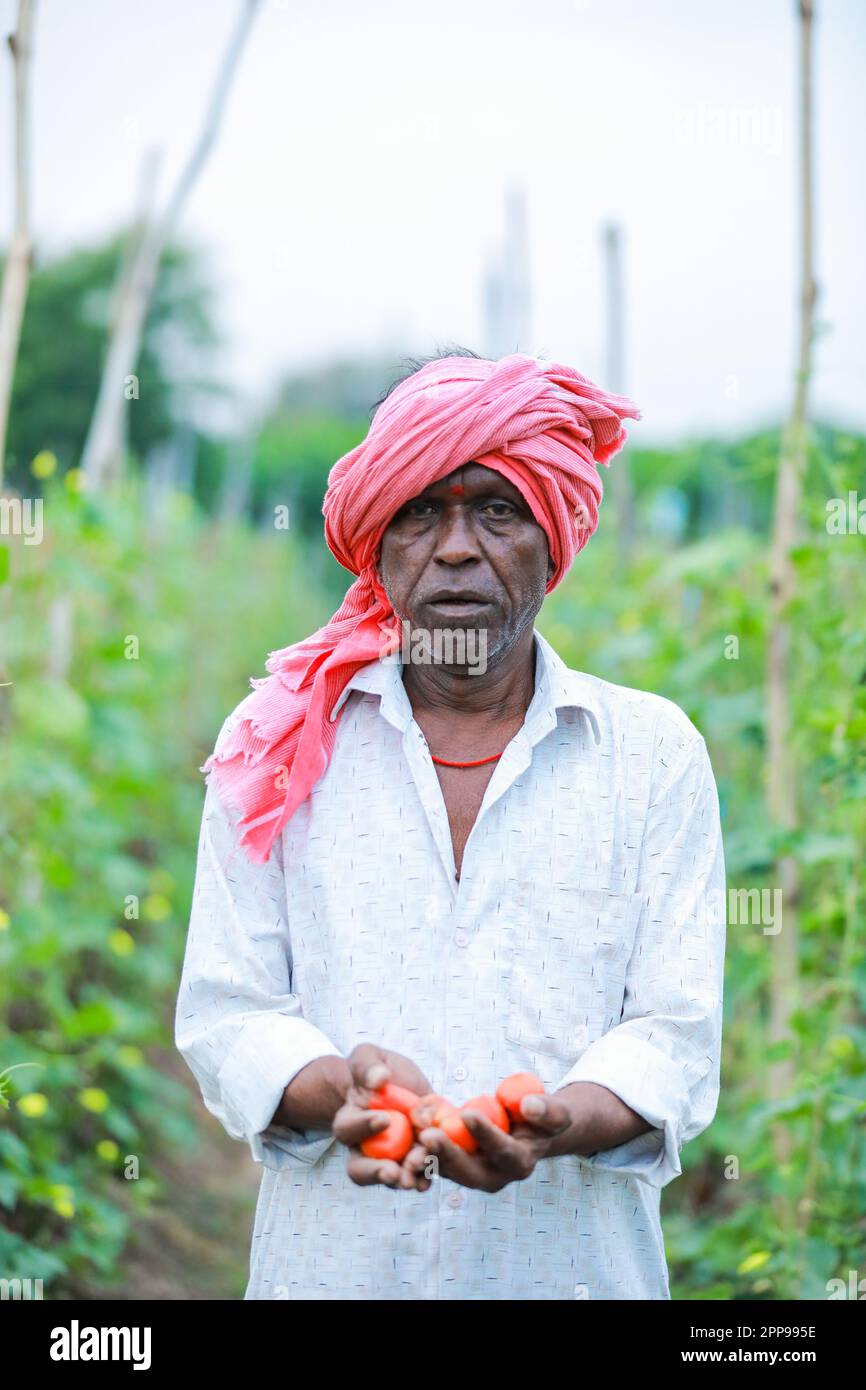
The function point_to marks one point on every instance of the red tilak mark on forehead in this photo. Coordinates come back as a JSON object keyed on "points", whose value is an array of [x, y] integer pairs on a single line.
{"points": [[456, 490]]}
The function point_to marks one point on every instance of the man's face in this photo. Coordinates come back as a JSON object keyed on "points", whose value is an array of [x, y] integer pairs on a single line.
{"points": [[467, 553]]}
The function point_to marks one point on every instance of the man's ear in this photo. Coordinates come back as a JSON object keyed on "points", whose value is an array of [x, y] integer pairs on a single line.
{"points": [[550, 567]]}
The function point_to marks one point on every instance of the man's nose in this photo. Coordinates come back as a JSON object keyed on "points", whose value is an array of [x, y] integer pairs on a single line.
{"points": [[455, 537]]}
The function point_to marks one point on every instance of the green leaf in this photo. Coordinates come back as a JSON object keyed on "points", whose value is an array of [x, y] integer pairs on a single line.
{"points": [[49, 709], [9, 1188], [90, 1021]]}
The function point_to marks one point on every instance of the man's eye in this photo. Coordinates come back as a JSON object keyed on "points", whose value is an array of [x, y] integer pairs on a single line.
{"points": [[499, 509], [420, 509]]}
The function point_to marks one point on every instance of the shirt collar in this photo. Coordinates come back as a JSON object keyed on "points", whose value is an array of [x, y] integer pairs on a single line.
{"points": [[557, 686]]}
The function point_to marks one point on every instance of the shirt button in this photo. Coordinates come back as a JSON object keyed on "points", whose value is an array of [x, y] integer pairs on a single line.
{"points": [[455, 1199], [461, 939], [460, 1074]]}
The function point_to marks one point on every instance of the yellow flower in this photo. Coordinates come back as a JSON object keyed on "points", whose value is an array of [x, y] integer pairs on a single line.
{"points": [[92, 1098], [129, 1056], [121, 943], [156, 907], [161, 881], [841, 1047], [33, 1104], [5, 919], [44, 464], [74, 479], [754, 1261], [64, 1206], [107, 1149]]}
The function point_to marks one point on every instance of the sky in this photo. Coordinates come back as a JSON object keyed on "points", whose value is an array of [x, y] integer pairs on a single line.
{"points": [[357, 187]]}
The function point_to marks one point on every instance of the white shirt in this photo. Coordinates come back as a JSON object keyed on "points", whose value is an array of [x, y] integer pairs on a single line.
{"points": [[584, 941]]}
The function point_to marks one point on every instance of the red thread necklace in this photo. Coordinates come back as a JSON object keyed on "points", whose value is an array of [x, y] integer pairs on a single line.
{"points": [[479, 762]]}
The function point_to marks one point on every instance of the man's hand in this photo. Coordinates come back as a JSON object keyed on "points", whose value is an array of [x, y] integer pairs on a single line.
{"points": [[370, 1068], [500, 1158], [315, 1094], [578, 1119]]}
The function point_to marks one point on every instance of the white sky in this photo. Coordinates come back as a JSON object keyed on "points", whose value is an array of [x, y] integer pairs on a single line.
{"points": [[359, 177]]}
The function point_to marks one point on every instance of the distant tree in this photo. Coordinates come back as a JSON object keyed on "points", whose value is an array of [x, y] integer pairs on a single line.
{"points": [[293, 455], [318, 415], [62, 342], [345, 387]]}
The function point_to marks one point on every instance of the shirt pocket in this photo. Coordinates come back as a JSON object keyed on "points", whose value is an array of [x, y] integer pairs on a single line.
{"points": [[566, 971]]}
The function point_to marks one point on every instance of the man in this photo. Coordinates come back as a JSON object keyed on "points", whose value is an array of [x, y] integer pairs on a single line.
{"points": [[442, 873]]}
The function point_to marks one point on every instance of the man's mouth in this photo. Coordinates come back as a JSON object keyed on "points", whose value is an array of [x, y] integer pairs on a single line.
{"points": [[455, 604], [468, 598]]}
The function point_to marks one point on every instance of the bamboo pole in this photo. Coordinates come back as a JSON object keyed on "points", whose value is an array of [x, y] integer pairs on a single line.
{"points": [[101, 457], [615, 381], [782, 782], [16, 273]]}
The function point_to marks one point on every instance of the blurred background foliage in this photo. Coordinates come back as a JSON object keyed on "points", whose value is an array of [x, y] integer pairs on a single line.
{"points": [[129, 634], [69, 307]]}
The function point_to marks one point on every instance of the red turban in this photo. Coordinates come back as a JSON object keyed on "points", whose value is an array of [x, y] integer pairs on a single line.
{"points": [[541, 425]]}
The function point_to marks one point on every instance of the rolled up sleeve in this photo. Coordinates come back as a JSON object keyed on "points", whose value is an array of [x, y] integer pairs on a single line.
{"points": [[238, 1024], [663, 1058]]}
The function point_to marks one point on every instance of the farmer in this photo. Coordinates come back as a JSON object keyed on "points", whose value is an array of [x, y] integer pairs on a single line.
{"points": [[442, 871]]}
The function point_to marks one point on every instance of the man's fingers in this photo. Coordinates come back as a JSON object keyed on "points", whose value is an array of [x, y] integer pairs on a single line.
{"points": [[498, 1147], [404, 1072], [352, 1125], [545, 1112], [369, 1066], [415, 1169], [367, 1172], [370, 1172], [454, 1163], [372, 1066]]}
